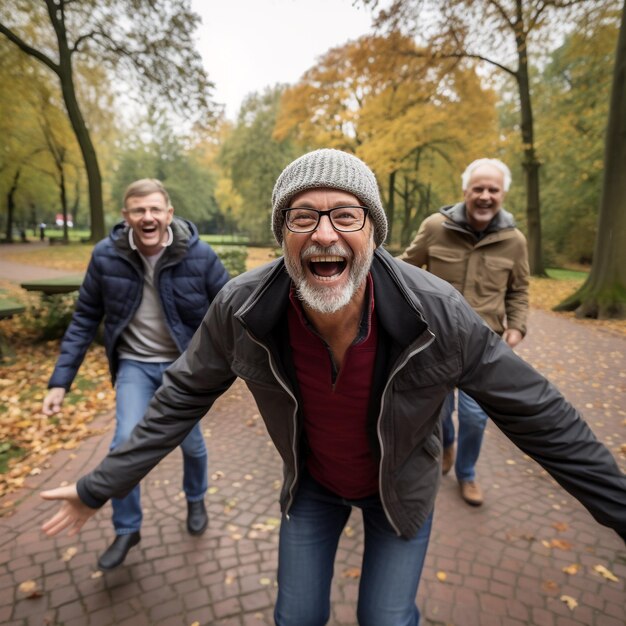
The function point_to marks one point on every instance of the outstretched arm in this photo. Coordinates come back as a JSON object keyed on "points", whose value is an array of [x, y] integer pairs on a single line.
{"points": [[73, 513]]}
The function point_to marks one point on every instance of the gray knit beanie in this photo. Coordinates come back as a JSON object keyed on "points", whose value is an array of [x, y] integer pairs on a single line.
{"points": [[333, 169]]}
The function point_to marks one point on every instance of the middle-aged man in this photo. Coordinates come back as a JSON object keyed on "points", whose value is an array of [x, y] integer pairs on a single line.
{"points": [[152, 281], [475, 246], [350, 354]]}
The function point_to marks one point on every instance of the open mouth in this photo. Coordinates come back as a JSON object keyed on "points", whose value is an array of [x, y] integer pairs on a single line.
{"points": [[327, 267]]}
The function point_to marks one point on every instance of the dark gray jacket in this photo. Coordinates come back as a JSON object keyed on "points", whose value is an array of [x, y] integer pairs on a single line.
{"points": [[430, 341]]}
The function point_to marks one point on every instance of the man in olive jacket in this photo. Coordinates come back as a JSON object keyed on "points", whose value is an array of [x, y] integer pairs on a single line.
{"points": [[475, 246], [349, 355]]}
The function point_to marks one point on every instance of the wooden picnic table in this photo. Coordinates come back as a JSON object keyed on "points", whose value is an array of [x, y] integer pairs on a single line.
{"points": [[10, 307], [52, 286]]}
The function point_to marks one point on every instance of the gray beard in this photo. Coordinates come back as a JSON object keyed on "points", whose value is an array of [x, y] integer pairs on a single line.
{"points": [[329, 299]]}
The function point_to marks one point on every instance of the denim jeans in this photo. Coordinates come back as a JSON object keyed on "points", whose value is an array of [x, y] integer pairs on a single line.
{"points": [[472, 423], [135, 385], [391, 566]]}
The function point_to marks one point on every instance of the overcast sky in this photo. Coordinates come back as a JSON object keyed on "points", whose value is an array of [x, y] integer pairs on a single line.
{"points": [[248, 45]]}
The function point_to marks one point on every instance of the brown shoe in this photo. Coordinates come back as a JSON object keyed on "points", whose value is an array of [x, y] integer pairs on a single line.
{"points": [[448, 459], [471, 492]]}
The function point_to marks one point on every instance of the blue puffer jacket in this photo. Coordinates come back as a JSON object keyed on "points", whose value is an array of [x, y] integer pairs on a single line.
{"points": [[187, 276]]}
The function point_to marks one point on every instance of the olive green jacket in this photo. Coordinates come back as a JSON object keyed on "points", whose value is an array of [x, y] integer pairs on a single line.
{"points": [[491, 271]]}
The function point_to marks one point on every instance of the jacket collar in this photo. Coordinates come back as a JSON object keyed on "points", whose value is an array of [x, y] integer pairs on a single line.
{"points": [[398, 310], [184, 232], [457, 214]]}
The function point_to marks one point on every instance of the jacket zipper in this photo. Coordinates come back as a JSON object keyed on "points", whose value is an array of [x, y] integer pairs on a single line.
{"points": [[294, 417], [425, 343]]}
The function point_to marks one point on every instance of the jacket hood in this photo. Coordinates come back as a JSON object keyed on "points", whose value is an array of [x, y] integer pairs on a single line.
{"points": [[457, 213], [185, 234]]}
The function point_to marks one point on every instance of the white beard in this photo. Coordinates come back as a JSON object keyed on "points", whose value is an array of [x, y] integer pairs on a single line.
{"points": [[329, 299]]}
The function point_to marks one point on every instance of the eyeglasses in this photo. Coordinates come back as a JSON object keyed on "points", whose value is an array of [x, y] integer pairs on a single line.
{"points": [[345, 219], [141, 211]]}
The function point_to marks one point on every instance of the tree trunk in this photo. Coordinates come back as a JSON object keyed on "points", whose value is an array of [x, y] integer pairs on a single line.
{"points": [[66, 236], [603, 295], [83, 138], [11, 205], [76, 204], [531, 163], [391, 206]]}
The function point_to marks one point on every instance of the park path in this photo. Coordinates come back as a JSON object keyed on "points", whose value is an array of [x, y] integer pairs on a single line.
{"points": [[17, 271], [501, 564]]}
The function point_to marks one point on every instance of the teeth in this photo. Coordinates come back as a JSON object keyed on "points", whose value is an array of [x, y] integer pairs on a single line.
{"points": [[326, 259]]}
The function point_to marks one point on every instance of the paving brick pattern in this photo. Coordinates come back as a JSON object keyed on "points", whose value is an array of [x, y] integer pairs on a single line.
{"points": [[497, 565]]}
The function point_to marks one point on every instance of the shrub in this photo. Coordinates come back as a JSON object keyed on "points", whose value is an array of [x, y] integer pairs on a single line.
{"points": [[233, 258], [51, 316]]}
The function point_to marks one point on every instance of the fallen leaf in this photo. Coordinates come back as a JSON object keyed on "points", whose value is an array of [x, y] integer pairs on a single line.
{"points": [[97, 574], [29, 589], [560, 526], [604, 572], [69, 553], [561, 544], [265, 581], [27, 586], [442, 577], [572, 569], [571, 602]]}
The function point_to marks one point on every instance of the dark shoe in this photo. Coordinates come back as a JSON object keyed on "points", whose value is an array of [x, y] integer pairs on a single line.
{"points": [[115, 554], [197, 518], [471, 492], [448, 459]]}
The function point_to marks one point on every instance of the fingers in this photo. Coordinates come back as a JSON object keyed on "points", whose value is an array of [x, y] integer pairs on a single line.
{"points": [[49, 409], [66, 517], [60, 493], [53, 401], [57, 523]]}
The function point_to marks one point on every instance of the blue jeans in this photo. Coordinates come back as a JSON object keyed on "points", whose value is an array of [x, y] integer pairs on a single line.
{"points": [[390, 571], [135, 385], [472, 423]]}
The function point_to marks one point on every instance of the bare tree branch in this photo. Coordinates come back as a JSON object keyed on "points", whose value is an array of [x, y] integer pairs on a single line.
{"points": [[24, 47]]}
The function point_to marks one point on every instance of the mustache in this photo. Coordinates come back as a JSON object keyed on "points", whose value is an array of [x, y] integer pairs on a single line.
{"points": [[316, 250]]}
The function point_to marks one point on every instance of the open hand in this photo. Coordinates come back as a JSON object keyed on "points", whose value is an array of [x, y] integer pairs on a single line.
{"points": [[73, 513]]}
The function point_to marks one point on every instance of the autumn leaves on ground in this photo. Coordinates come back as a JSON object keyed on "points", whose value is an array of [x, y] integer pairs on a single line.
{"points": [[29, 438]]}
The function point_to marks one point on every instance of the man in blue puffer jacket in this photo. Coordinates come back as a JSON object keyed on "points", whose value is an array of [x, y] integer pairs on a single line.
{"points": [[152, 280]]}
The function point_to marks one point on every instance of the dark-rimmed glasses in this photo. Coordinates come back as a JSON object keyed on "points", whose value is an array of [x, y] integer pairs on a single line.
{"points": [[345, 219]]}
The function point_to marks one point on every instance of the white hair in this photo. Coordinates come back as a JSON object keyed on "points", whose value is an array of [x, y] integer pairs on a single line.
{"points": [[467, 174]]}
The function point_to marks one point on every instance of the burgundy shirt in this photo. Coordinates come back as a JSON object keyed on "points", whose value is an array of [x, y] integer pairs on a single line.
{"points": [[335, 404]]}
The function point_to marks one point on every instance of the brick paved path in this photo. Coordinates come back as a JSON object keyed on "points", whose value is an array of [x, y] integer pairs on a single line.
{"points": [[503, 562]]}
